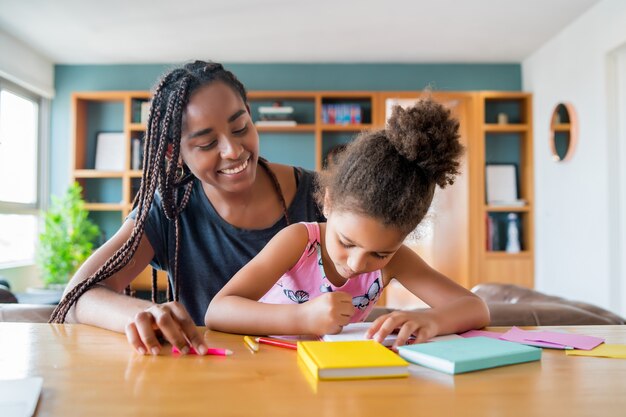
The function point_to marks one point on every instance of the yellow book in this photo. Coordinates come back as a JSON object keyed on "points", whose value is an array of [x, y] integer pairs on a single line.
{"points": [[351, 360]]}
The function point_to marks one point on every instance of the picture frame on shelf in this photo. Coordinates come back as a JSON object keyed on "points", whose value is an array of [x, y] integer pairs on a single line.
{"points": [[110, 151], [501, 185]]}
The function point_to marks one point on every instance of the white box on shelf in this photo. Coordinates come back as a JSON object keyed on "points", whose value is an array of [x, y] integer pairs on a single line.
{"points": [[145, 112], [501, 184]]}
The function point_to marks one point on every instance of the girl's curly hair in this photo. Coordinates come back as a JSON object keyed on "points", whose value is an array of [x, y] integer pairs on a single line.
{"points": [[391, 174]]}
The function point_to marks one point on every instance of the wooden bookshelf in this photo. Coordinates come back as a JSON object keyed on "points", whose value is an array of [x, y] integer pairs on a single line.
{"points": [[458, 248], [494, 264], [94, 112], [312, 136]]}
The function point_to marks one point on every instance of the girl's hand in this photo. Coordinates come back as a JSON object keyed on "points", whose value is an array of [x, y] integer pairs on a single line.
{"points": [[419, 324], [172, 322], [328, 313]]}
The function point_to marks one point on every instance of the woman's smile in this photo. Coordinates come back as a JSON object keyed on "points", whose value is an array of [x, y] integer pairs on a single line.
{"points": [[236, 169]]}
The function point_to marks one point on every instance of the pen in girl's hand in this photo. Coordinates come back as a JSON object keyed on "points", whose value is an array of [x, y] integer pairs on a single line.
{"points": [[209, 351]]}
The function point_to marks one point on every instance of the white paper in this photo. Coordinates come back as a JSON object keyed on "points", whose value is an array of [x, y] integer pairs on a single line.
{"points": [[110, 151], [356, 331], [19, 397]]}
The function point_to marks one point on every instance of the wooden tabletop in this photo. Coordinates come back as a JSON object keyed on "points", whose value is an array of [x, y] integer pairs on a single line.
{"points": [[93, 372]]}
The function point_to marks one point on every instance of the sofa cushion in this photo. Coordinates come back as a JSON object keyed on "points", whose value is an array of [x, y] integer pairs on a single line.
{"points": [[31, 313], [512, 305]]}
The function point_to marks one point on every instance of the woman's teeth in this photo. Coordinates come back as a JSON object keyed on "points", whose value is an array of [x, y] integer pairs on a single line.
{"points": [[236, 170]]}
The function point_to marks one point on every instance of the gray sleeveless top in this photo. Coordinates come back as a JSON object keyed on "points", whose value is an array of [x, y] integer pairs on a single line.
{"points": [[211, 250]]}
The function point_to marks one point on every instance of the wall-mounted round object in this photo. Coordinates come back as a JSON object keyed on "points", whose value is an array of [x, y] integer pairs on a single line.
{"points": [[563, 132]]}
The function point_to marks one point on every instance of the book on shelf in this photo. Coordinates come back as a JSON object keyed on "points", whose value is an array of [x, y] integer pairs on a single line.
{"points": [[276, 110], [136, 154], [356, 331], [493, 234], [471, 354], [341, 114], [145, 112], [363, 359], [262, 123], [275, 116], [489, 232], [512, 203]]}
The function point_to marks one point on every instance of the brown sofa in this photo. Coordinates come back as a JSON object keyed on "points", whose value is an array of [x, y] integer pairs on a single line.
{"points": [[512, 305], [11, 311], [509, 305]]}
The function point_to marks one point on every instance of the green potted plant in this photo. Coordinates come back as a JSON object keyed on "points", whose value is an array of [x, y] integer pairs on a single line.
{"points": [[67, 239]]}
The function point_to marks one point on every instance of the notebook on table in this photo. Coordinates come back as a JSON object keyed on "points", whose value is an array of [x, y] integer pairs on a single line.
{"points": [[351, 360], [471, 354], [19, 397]]}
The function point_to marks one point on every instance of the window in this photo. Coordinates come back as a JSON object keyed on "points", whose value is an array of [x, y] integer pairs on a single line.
{"points": [[20, 174]]}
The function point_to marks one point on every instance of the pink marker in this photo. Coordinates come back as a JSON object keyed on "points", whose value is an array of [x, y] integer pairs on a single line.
{"points": [[210, 351]]}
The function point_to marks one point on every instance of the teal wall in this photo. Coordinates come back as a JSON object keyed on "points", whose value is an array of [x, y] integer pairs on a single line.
{"points": [[374, 77]]}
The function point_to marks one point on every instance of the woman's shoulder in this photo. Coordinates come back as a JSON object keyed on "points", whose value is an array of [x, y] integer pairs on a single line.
{"points": [[293, 180], [289, 173]]}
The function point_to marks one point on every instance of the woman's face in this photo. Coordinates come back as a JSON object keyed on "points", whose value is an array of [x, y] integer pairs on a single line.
{"points": [[219, 142]]}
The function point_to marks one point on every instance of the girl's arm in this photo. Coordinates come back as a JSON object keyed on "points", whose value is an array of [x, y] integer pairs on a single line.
{"points": [[235, 308], [453, 308], [106, 306]]}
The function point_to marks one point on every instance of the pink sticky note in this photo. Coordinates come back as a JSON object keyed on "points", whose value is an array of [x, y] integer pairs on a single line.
{"points": [[521, 336], [577, 341], [553, 340], [481, 333]]}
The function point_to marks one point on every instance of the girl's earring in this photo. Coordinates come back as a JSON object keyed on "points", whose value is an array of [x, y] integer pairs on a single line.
{"points": [[180, 172]]}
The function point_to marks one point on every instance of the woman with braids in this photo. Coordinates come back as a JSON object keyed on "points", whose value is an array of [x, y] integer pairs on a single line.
{"points": [[314, 278], [218, 204]]}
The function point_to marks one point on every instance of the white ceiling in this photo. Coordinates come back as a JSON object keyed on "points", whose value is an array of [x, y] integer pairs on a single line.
{"points": [[163, 31]]}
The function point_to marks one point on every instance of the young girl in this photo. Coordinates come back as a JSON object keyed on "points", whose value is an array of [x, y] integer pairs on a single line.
{"points": [[314, 278]]}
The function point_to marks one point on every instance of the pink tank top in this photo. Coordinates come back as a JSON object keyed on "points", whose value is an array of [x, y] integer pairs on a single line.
{"points": [[307, 280]]}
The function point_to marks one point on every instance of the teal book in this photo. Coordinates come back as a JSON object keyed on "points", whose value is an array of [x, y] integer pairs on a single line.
{"points": [[471, 354]]}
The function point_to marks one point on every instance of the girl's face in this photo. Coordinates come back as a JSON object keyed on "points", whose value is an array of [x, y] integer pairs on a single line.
{"points": [[219, 142], [357, 243]]}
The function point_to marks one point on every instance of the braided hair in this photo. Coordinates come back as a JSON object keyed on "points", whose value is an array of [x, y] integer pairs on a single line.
{"points": [[161, 171], [391, 174]]}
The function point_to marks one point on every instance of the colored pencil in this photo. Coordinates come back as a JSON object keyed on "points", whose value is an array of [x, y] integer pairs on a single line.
{"points": [[210, 351], [251, 343], [276, 342]]}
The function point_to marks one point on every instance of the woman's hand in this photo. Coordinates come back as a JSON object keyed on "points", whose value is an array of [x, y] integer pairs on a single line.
{"points": [[172, 322], [328, 313], [422, 325]]}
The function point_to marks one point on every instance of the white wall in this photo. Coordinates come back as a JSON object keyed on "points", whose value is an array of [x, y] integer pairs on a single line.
{"points": [[577, 221], [25, 67]]}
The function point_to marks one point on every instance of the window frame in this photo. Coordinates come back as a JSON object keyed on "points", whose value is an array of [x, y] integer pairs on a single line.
{"points": [[42, 193]]}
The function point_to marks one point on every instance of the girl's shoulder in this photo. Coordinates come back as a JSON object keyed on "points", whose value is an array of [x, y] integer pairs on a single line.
{"points": [[297, 232], [302, 231]]}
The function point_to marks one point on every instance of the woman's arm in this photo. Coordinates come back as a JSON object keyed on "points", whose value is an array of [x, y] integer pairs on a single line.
{"points": [[235, 308], [106, 306], [454, 309]]}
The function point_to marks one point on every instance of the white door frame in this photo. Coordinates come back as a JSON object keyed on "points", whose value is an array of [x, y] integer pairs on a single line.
{"points": [[616, 118]]}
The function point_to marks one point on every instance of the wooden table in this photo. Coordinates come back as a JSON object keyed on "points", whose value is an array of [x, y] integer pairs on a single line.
{"points": [[93, 372]]}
